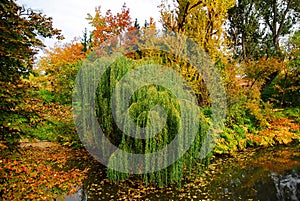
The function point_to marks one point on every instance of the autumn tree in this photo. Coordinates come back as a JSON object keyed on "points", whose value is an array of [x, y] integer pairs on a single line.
{"points": [[109, 25], [285, 89], [256, 28], [202, 21], [58, 68], [20, 36], [141, 102], [20, 31]]}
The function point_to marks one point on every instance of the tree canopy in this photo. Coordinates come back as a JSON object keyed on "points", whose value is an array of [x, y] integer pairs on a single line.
{"points": [[20, 38], [21, 29]]}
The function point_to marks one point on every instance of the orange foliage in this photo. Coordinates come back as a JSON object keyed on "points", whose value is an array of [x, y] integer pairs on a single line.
{"points": [[68, 53], [279, 162], [39, 173], [258, 71], [281, 131], [58, 62], [108, 26]]}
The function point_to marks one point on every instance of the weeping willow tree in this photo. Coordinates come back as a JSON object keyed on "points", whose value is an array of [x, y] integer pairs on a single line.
{"points": [[153, 106], [140, 117]]}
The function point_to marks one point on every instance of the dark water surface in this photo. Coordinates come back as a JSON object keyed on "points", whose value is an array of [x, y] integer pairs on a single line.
{"points": [[255, 174]]}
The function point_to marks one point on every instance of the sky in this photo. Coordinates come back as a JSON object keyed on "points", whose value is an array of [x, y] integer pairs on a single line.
{"points": [[70, 15]]}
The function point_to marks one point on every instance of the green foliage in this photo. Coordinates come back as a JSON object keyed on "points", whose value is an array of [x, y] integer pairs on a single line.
{"points": [[292, 113], [256, 26], [20, 29], [20, 37], [29, 113], [253, 126], [56, 131], [247, 114], [54, 123], [144, 112], [285, 89], [46, 95], [244, 30], [56, 71], [14, 114], [65, 82]]}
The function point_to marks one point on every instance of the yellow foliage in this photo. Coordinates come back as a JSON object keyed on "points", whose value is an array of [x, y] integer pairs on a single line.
{"points": [[258, 71], [202, 21], [58, 62]]}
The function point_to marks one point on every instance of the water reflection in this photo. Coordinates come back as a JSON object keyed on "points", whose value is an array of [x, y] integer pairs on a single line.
{"points": [[287, 186], [269, 174]]}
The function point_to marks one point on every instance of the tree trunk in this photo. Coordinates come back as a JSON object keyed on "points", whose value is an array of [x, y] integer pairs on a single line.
{"points": [[269, 81]]}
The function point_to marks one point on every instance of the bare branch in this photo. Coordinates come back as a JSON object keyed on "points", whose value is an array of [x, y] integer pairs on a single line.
{"points": [[196, 4]]}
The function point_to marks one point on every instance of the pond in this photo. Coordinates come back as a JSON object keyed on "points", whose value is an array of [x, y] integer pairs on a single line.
{"points": [[255, 174]]}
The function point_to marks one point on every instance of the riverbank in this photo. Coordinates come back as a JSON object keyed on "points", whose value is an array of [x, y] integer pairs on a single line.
{"points": [[271, 173], [38, 171], [62, 173], [43, 170]]}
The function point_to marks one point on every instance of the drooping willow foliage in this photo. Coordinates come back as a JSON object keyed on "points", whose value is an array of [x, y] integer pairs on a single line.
{"points": [[152, 106], [139, 114]]}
